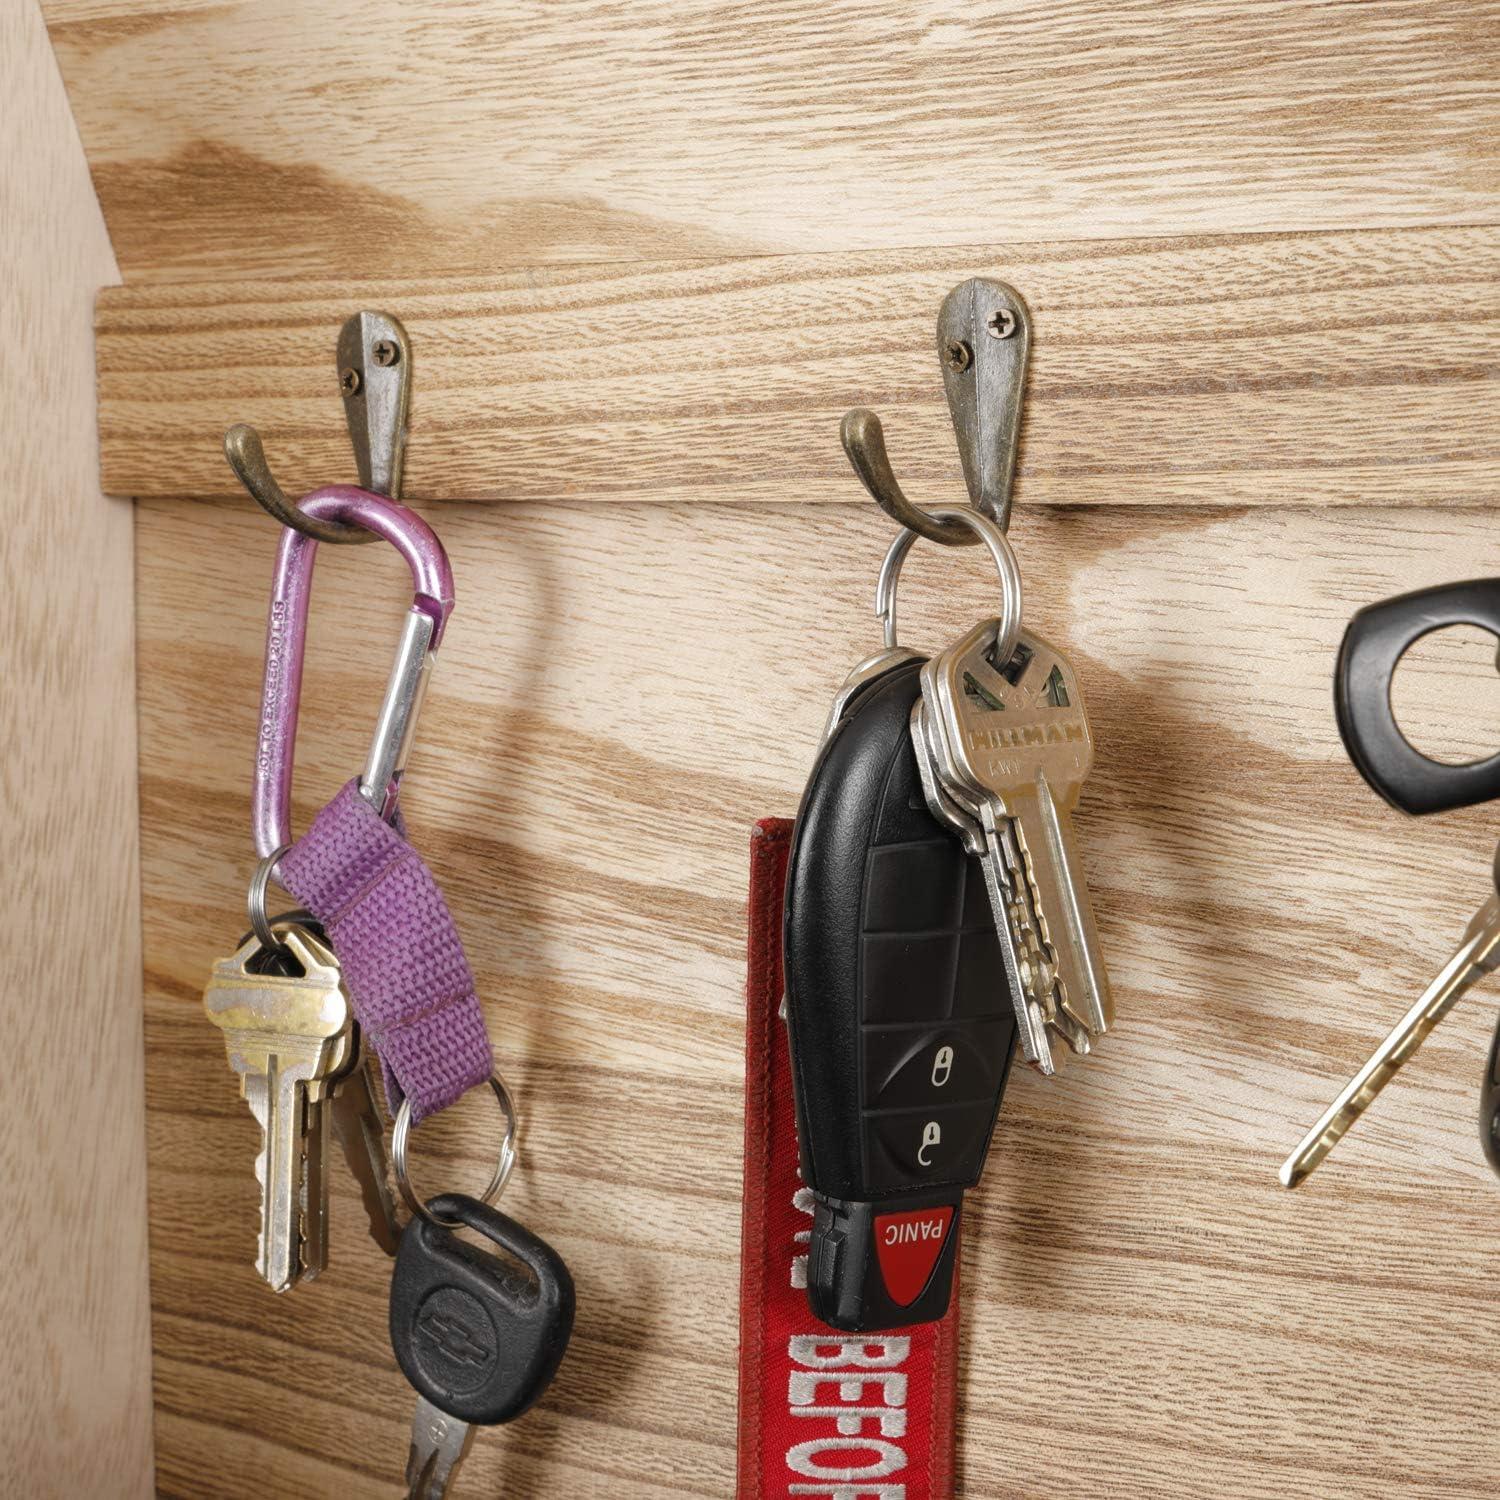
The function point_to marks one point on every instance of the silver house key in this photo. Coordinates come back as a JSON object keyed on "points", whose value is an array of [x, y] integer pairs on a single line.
{"points": [[286, 1035], [1012, 743]]}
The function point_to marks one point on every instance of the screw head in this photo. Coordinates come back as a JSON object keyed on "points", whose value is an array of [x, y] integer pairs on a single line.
{"points": [[349, 380], [958, 354], [1001, 323], [386, 352]]}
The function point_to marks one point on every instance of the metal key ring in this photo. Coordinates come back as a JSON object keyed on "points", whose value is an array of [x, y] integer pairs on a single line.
{"points": [[255, 901], [1009, 625], [503, 1165]]}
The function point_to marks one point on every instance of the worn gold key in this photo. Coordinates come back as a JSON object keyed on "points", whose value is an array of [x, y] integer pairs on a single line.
{"points": [[1477, 955], [287, 1035]]}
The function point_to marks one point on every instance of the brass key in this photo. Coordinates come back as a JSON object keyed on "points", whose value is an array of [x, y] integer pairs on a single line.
{"points": [[287, 1035], [1477, 955]]}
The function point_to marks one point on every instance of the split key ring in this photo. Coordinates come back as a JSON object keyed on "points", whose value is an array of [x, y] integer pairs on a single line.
{"points": [[504, 1164], [1008, 627]]}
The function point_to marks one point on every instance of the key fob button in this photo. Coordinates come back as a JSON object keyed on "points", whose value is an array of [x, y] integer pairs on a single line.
{"points": [[916, 1065], [913, 887], [908, 978], [912, 1147]]}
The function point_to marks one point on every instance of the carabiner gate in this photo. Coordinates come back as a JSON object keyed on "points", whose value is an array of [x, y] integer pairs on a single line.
{"points": [[286, 638]]}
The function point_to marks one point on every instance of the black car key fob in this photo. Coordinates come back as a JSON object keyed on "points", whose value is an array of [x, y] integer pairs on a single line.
{"points": [[478, 1335], [899, 1019], [1374, 643]]}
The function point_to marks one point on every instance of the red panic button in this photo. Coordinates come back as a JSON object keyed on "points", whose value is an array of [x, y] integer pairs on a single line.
{"points": [[908, 1246]]}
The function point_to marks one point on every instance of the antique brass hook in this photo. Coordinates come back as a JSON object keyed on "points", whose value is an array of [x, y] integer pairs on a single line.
{"points": [[374, 365], [983, 342]]}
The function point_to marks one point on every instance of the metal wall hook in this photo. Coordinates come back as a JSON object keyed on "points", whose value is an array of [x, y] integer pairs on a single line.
{"points": [[247, 457], [374, 365], [983, 343]]}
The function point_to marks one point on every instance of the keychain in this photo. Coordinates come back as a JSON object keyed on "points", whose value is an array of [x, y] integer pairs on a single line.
{"points": [[372, 959], [923, 920], [936, 911], [283, 1000]]}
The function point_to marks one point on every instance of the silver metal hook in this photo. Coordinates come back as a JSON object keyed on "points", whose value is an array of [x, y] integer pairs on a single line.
{"points": [[374, 365], [983, 342]]}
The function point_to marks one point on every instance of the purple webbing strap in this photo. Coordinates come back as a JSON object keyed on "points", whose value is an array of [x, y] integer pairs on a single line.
{"points": [[404, 966]]}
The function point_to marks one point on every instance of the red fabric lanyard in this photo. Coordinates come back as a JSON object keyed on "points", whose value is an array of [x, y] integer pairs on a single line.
{"points": [[837, 1415]]}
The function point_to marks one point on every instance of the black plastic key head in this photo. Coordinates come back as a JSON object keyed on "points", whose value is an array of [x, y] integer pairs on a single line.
{"points": [[1489, 1105], [1373, 645], [899, 1018], [479, 1335]]}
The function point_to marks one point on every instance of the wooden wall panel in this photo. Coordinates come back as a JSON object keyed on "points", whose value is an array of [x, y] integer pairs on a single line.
{"points": [[622, 691], [651, 253], [75, 1380], [345, 137], [1353, 368]]}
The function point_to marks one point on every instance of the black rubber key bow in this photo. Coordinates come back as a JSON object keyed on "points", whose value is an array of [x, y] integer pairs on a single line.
{"points": [[899, 1019], [1375, 641], [479, 1336]]}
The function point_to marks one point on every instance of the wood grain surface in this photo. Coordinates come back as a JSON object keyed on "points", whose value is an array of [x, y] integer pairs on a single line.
{"points": [[343, 137], [648, 255], [1355, 368], [75, 1379], [623, 690]]}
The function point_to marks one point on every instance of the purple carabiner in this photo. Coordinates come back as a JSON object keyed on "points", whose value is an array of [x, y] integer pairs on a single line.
{"points": [[286, 636]]}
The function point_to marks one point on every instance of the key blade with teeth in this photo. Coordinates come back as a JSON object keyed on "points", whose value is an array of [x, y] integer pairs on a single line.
{"points": [[284, 1034], [951, 799], [439, 1444], [1016, 738], [1038, 961], [317, 1105], [1477, 956]]}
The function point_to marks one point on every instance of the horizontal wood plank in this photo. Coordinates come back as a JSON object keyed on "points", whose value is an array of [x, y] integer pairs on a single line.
{"points": [[1287, 370], [602, 731], [342, 138]]}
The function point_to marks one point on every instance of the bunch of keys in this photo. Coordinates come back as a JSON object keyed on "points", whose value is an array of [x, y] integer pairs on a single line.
{"points": [[479, 1338], [479, 1341], [280, 1000], [292, 1039], [1003, 746], [935, 908], [1373, 645]]}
